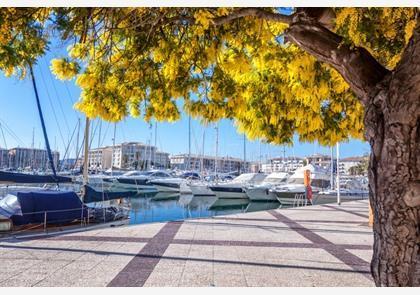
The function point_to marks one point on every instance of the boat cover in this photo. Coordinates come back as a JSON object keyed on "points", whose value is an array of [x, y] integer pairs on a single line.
{"points": [[92, 195], [30, 207], [14, 177]]}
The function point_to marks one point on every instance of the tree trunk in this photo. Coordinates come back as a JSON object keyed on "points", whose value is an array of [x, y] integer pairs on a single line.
{"points": [[392, 121]]}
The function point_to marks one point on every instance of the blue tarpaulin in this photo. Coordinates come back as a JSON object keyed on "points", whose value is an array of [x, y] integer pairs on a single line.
{"points": [[92, 195], [61, 207]]}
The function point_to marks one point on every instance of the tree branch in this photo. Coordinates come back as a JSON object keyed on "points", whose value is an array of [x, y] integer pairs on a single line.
{"points": [[308, 30], [357, 66], [257, 12]]}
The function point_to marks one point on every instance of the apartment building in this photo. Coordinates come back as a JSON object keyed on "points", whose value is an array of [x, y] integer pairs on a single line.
{"points": [[30, 158], [208, 164]]}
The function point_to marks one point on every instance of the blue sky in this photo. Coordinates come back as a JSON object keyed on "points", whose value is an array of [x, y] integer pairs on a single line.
{"points": [[18, 118]]}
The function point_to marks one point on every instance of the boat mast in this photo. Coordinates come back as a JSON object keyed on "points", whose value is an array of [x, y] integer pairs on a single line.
{"points": [[113, 149], [44, 130], [338, 174], [86, 153], [33, 149], [76, 156], [154, 158], [202, 152], [189, 143], [259, 160], [150, 147], [100, 131], [244, 169], [217, 147], [332, 168]]}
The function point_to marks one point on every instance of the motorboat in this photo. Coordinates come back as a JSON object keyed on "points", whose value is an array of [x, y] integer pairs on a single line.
{"points": [[201, 188], [175, 184], [139, 180], [261, 192], [235, 189], [287, 193], [350, 189]]}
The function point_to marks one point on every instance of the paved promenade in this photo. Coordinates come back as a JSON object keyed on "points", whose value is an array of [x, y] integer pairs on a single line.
{"points": [[325, 245]]}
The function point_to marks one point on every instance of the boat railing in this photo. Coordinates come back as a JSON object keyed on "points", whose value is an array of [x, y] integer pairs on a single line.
{"points": [[45, 225], [300, 200]]}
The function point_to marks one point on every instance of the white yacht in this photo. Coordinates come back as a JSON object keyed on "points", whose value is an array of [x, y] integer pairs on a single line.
{"points": [[235, 189], [175, 184], [139, 180], [201, 188], [350, 189], [286, 193], [261, 192]]}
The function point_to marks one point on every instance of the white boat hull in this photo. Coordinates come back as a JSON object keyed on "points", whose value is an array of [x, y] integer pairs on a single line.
{"points": [[231, 195], [332, 198], [260, 194], [163, 188], [184, 188], [201, 190]]}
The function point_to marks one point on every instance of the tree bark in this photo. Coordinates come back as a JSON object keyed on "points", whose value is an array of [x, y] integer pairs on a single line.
{"points": [[392, 121], [392, 125]]}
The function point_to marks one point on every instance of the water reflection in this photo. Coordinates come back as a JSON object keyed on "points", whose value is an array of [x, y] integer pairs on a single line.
{"points": [[170, 206]]}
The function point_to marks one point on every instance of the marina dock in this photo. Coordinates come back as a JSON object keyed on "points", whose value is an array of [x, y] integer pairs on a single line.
{"points": [[323, 245]]}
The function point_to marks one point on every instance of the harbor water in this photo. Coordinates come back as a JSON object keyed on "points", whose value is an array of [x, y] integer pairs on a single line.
{"points": [[170, 207]]}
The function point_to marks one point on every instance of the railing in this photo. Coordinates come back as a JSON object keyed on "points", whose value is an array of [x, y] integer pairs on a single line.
{"points": [[300, 200], [47, 223]]}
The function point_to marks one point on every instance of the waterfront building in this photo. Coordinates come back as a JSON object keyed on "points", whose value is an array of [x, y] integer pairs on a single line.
{"points": [[137, 155], [282, 164], [206, 164], [30, 159], [353, 165], [323, 161], [100, 158], [4, 158]]}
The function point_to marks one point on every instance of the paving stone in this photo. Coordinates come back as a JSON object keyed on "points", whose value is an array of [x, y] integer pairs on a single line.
{"points": [[309, 246]]}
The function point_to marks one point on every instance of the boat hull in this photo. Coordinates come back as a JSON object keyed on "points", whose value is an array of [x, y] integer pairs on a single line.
{"points": [[201, 190], [229, 192], [165, 187], [320, 199], [260, 194], [287, 198]]}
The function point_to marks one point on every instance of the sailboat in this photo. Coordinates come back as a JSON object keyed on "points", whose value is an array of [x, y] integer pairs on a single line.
{"points": [[57, 206], [201, 188], [88, 193]]}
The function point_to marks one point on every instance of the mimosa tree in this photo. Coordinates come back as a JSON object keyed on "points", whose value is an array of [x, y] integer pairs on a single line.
{"points": [[323, 74]]}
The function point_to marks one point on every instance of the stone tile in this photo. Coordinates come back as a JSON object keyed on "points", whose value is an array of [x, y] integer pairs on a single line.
{"points": [[227, 269], [45, 267], [196, 279], [159, 278], [366, 255], [229, 280], [22, 281], [96, 263]]}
